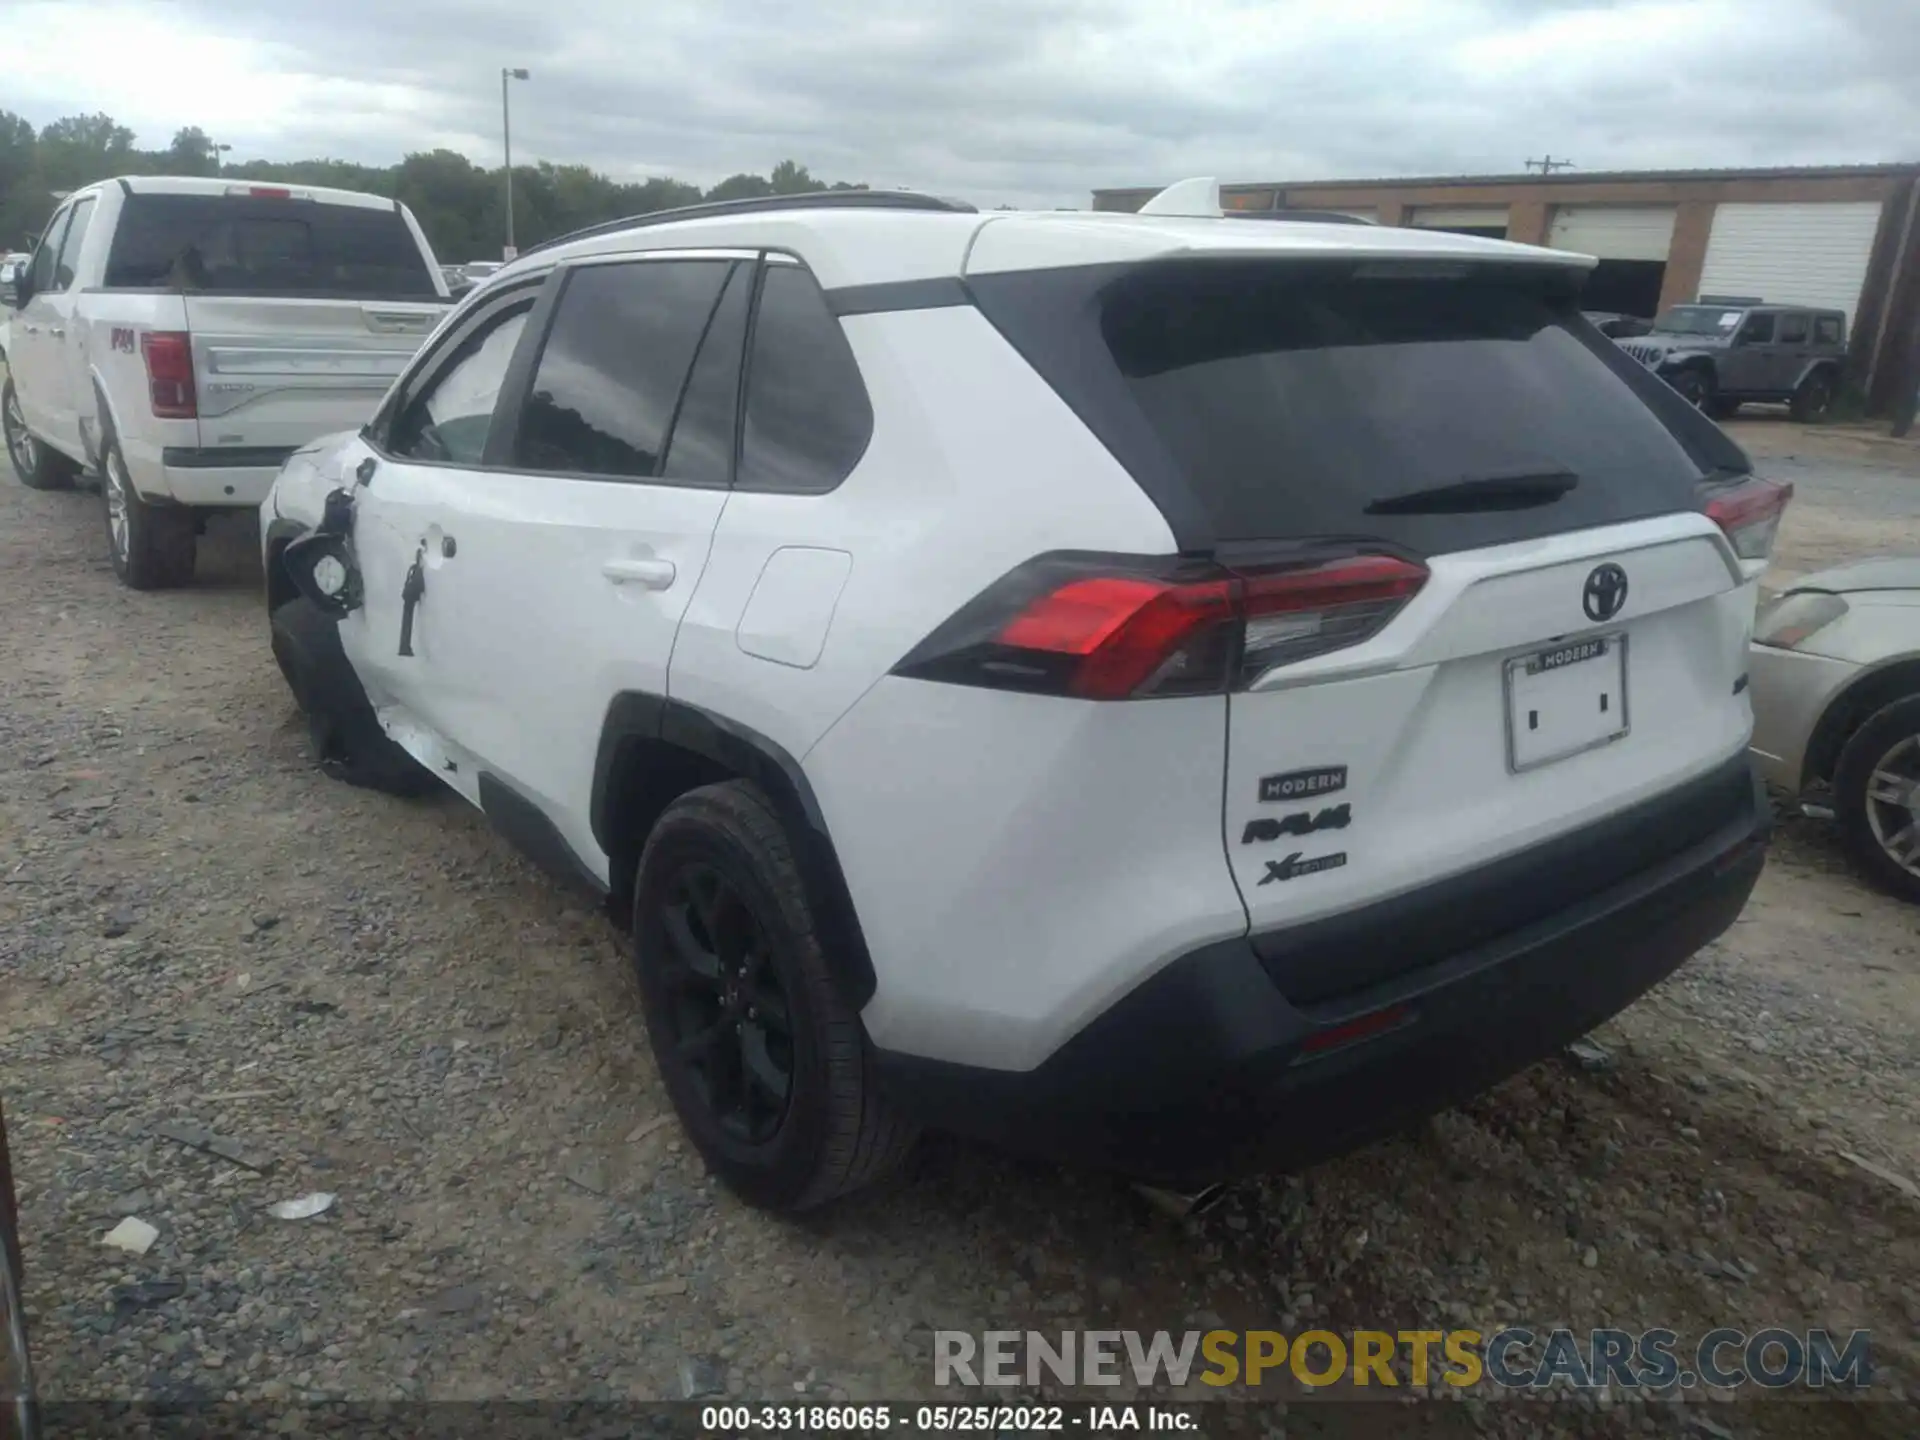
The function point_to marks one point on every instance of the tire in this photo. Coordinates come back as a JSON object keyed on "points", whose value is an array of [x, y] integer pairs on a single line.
{"points": [[1695, 386], [348, 741], [1813, 401], [151, 546], [16, 1358], [39, 466], [726, 953], [1879, 764]]}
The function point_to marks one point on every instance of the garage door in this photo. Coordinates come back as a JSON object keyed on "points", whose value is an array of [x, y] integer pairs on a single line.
{"points": [[1459, 217], [1802, 254], [1614, 232]]}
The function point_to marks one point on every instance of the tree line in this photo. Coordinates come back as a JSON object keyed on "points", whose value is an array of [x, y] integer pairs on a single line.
{"points": [[461, 206]]}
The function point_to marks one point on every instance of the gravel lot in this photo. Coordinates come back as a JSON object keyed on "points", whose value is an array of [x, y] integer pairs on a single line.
{"points": [[377, 999]]}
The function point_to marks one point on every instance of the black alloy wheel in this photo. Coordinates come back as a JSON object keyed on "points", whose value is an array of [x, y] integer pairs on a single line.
{"points": [[760, 1048], [729, 1024]]}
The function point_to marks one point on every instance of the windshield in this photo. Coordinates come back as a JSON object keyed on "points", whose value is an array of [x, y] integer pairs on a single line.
{"points": [[1697, 320]]}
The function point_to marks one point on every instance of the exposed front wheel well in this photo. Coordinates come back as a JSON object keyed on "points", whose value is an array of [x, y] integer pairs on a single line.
{"points": [[1851, 709], [280, 586]]}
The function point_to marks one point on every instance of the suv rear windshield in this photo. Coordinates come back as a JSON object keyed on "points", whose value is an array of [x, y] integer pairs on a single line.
{"points": [[265, 245], [1263, 401]]}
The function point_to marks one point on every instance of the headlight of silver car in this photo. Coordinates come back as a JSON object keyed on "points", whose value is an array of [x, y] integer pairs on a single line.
{"points": [[1787, 623]]}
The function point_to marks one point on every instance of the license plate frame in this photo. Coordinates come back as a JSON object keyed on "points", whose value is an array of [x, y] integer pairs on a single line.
{"points": [[1609, 650]]}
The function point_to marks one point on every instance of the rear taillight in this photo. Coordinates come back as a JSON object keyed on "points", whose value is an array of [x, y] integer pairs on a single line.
{"points": [[169, 357], [1749, 512], [1120, 628]]}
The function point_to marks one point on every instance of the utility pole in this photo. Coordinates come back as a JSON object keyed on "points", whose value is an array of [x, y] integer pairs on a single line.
{"points": [[506, 138], [1547, 165]]}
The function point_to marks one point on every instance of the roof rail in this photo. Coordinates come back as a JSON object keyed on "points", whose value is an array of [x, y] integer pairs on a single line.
{"points": [[759, 204]]}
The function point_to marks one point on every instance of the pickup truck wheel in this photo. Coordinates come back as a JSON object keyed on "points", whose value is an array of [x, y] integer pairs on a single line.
{"points": [[151, 545], [38, 466], [765, 1062], [1876, 790], [348, 740], [1813, 401]]}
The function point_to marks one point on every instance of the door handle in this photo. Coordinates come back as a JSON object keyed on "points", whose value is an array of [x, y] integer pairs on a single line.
{"points": [[57, 332], [33, 329], [653, 574]]}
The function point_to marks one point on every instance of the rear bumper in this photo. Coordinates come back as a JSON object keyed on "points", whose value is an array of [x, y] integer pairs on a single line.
{"points": [[1208, 1072], [233, 477]]}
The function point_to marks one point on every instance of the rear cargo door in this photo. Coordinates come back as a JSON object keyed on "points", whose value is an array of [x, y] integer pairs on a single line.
{"points": [[302, 306], [1575, 646]]}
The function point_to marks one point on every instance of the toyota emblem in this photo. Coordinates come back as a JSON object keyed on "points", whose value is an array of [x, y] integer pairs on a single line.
{"points": [[1605, 592]]}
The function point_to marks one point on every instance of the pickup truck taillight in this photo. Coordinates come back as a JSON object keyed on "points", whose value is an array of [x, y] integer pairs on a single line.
{"points": [[169, 357]]}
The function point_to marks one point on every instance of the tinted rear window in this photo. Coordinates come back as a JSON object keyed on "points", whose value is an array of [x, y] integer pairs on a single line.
{"points": [[1263, 401], [259, 245]]}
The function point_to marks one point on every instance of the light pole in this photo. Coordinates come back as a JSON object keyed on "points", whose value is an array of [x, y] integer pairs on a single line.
{"points": [[218, 151], [506, 139]]}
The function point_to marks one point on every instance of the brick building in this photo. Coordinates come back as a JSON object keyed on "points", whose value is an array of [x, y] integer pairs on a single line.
{"points": [[1844, 236]]}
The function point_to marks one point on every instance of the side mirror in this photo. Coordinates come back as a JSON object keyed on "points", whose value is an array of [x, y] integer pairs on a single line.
{"points": [[323, 570], [19, 292]]}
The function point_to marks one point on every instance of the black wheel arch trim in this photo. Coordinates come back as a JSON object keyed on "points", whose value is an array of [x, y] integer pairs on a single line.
{"points": [[636, 715]]}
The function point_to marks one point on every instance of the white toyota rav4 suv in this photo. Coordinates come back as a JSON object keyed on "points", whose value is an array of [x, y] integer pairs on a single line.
{"points": [[1164, 691]]}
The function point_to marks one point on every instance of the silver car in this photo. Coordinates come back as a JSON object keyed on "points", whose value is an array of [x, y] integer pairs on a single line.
{"points": [[1835, 674]]}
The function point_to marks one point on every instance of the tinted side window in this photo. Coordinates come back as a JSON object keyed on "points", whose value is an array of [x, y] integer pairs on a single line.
{"points": [[700, 449], [46, 252], [808, 416], [614, 365], [1793, 329], [1826, 329], [1758, 330], [70, 246], [448, 422]]}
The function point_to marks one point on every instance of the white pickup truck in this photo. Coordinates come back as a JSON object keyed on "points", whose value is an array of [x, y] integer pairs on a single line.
{"points": [[181, 337]]}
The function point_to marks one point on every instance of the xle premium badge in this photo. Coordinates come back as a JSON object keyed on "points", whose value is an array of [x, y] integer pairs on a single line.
{"points": [[1293, 866], [1301, 822], [1303, 784]]}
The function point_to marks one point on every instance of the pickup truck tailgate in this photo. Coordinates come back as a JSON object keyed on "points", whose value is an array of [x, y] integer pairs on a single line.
{"points": [[274, 373]]}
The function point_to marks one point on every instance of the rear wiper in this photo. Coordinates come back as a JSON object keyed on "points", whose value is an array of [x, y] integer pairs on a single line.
{"points": [[1488, 492]]}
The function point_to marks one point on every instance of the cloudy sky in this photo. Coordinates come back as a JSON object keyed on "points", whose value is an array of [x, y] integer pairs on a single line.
{"points": [[1015, 101]]}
